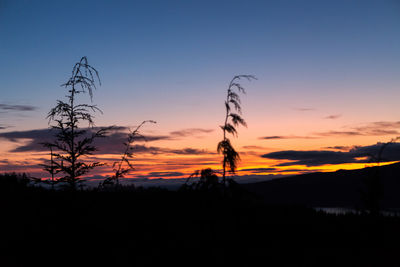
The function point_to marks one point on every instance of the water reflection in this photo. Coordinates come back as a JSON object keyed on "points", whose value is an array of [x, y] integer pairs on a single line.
{"points": [[344, 210]]}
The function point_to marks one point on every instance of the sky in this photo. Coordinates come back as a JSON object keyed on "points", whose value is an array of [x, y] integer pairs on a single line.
{"points": [[327, 89]]}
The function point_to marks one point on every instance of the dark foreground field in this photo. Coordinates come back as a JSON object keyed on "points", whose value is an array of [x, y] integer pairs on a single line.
{"points": [[157, 227]]}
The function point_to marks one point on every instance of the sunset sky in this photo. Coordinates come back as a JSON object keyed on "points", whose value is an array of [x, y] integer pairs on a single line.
{"points": [[328, 87]]}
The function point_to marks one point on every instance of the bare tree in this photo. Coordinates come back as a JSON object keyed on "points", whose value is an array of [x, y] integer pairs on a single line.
{"points": [[232, 120], [73, 142], [124, 166]]}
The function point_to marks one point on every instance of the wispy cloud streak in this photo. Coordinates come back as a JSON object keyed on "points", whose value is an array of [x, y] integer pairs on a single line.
{"points": [[7, 107]]}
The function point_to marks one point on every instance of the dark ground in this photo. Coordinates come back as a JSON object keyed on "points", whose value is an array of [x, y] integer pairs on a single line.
{"points": [[156, 227]]}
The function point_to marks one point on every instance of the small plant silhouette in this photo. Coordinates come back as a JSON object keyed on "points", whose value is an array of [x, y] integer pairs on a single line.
{"points": [[124, 166], [72, 142], [232, 120], [208, 181], [51, 169]]}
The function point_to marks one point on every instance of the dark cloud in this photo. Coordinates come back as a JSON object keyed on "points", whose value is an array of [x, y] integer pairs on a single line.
{"points": [[276, 170], [363, 154], [386, 152], [33, 137], [272, 137], [112, 144], [162, 174], [259, 170], [190, 132], [345, 148], [298, 170], [6, 107], [187, 151], [188, 162], [162, 150], [277, 137], [333, 117], [340, 133], [310, 158]]}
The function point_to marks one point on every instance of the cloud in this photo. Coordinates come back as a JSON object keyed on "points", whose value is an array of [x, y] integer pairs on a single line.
{"points": [[378, 128], [333, 117], [298, 170], [277, 137], [161, 175], [190, 132], [258, 170], [310, 158], [34, 137], [304, 109], [6, 107], [163, 150], [272, 137], [361, 154], [276, 171], [112, 144], [370, 129], [345, 148], [187, 151], [339, 133]]}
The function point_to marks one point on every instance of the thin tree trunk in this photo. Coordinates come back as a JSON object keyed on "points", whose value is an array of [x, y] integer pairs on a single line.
{"points": [[73, 159]]}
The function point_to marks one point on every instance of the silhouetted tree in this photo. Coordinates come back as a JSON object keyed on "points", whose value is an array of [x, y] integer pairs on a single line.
{"points": [[124, 166], [232, 120], [72, 142]]}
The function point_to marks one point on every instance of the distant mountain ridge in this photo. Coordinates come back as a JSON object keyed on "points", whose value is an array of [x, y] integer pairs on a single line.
{"points": [[341, 188]]}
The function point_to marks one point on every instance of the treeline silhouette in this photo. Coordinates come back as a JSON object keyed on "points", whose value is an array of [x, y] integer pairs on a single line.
{"points": [[154, 226]]}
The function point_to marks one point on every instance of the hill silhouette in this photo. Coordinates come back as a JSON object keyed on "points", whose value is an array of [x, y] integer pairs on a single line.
{"points": [[341, 188]]}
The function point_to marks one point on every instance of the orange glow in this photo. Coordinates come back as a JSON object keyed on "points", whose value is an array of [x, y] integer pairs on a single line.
{"points": [[154, 165]]}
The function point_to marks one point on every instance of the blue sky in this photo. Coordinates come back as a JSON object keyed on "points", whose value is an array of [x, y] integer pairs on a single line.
{"points": [[174, 50]]}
